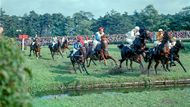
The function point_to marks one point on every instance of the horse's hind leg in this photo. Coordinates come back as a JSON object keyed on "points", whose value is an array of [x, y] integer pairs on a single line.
{"points": [[110, 57], [121, 61], [84, 69], [60, 52], [131, 63]]}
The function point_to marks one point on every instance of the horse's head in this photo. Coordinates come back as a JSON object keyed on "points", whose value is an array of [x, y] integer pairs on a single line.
{"points": [[166, 37], [179, 44], [143, 34]]}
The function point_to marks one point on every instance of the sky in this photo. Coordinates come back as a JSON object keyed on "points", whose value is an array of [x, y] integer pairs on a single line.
{"points": [[96, 7]]}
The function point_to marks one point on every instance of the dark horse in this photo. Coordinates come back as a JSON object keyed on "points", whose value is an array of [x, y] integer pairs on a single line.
{"points": [[159, 53], [134, 52], [101, 52], [175, 50], [55, 48], [79, 59], [163, 54], [35, 48]]}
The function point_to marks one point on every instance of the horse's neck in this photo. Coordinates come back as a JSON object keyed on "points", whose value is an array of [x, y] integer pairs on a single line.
{"points": [[104, 44]]}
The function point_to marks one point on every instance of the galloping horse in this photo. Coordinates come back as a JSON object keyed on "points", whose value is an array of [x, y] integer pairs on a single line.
{"points": [[35, 48], [134, 52], [79, 58], [174, 53], [55, 48], [65, 45], [160, 53], [101, 52]]}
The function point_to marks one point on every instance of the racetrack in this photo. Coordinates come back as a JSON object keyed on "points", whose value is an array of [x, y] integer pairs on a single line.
{"points": [[49, 75]]}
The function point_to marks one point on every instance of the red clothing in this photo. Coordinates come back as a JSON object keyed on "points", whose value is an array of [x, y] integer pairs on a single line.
{"points": [[87, 38], [80, 38]]}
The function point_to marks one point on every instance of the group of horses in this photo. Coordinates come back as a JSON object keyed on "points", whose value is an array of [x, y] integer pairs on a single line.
{"points": [[134, 53]]}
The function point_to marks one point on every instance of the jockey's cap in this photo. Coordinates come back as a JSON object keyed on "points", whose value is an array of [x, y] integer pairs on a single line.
{"points": [[137, 28], [160, 30]]}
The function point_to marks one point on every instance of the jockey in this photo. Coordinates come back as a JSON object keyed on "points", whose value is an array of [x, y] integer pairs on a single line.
{"points": [[54, 41], [76, 46], [34, 40], [173, 42], [132, 34], [97, 37], [63, 40], [159, 37]]}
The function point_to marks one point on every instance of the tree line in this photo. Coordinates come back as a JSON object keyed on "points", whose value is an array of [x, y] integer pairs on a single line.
{"points": [[84, 23]]}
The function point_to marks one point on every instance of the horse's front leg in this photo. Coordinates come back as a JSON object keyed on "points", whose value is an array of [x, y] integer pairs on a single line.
{"points": [[181, 65], [84, 68], [131, 63], [102, 56], [155, 66], [89, 62], [74, 66], [121, 61], [60, 52]]}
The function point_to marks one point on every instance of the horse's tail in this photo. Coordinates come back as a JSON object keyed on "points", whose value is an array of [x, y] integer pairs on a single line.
{"points": [[120, 46]]}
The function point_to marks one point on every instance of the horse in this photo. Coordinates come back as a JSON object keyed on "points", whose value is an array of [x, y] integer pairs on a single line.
{"points": [[174, 54], [134, 51], [35, 48], [159, 54], [101, 52], [79, 58], [65, 45], [55, 48]]}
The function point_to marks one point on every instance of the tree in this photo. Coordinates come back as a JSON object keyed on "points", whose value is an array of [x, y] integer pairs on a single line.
{"points": [[12, 76]]}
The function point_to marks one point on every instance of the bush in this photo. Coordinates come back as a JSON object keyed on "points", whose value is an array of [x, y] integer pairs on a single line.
{"points": [[12, 76]]}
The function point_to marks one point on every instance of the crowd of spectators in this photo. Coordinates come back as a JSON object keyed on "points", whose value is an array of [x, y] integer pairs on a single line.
{"points": [[112, 38]]}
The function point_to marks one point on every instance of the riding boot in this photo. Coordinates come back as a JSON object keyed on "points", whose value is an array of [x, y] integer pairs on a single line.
{"points": [[172, 61]]}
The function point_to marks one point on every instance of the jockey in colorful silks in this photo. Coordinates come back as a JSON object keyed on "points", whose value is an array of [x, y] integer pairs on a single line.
{"points": [[77, 45], [172, 44], [97, 37], [132, 35], [159, 37]]}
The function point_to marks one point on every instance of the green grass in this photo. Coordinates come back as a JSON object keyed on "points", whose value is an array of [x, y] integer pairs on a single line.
{"points": [[49, 75], [167, 98]]}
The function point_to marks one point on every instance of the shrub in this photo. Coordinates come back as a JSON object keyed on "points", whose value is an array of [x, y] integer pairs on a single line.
{"points": [[12, 76]]}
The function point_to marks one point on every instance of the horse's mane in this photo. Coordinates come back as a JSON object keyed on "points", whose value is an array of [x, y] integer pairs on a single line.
{"points": [[166, 38]]}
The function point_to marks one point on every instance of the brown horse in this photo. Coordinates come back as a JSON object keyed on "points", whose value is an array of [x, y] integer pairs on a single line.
{"points": [[65, 45], [55, 48], [160, 53], [102, 54], [35, 48]]}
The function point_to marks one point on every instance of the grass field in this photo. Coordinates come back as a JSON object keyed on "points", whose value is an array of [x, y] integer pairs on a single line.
{"points": [[166, 98], [49, 75]]}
